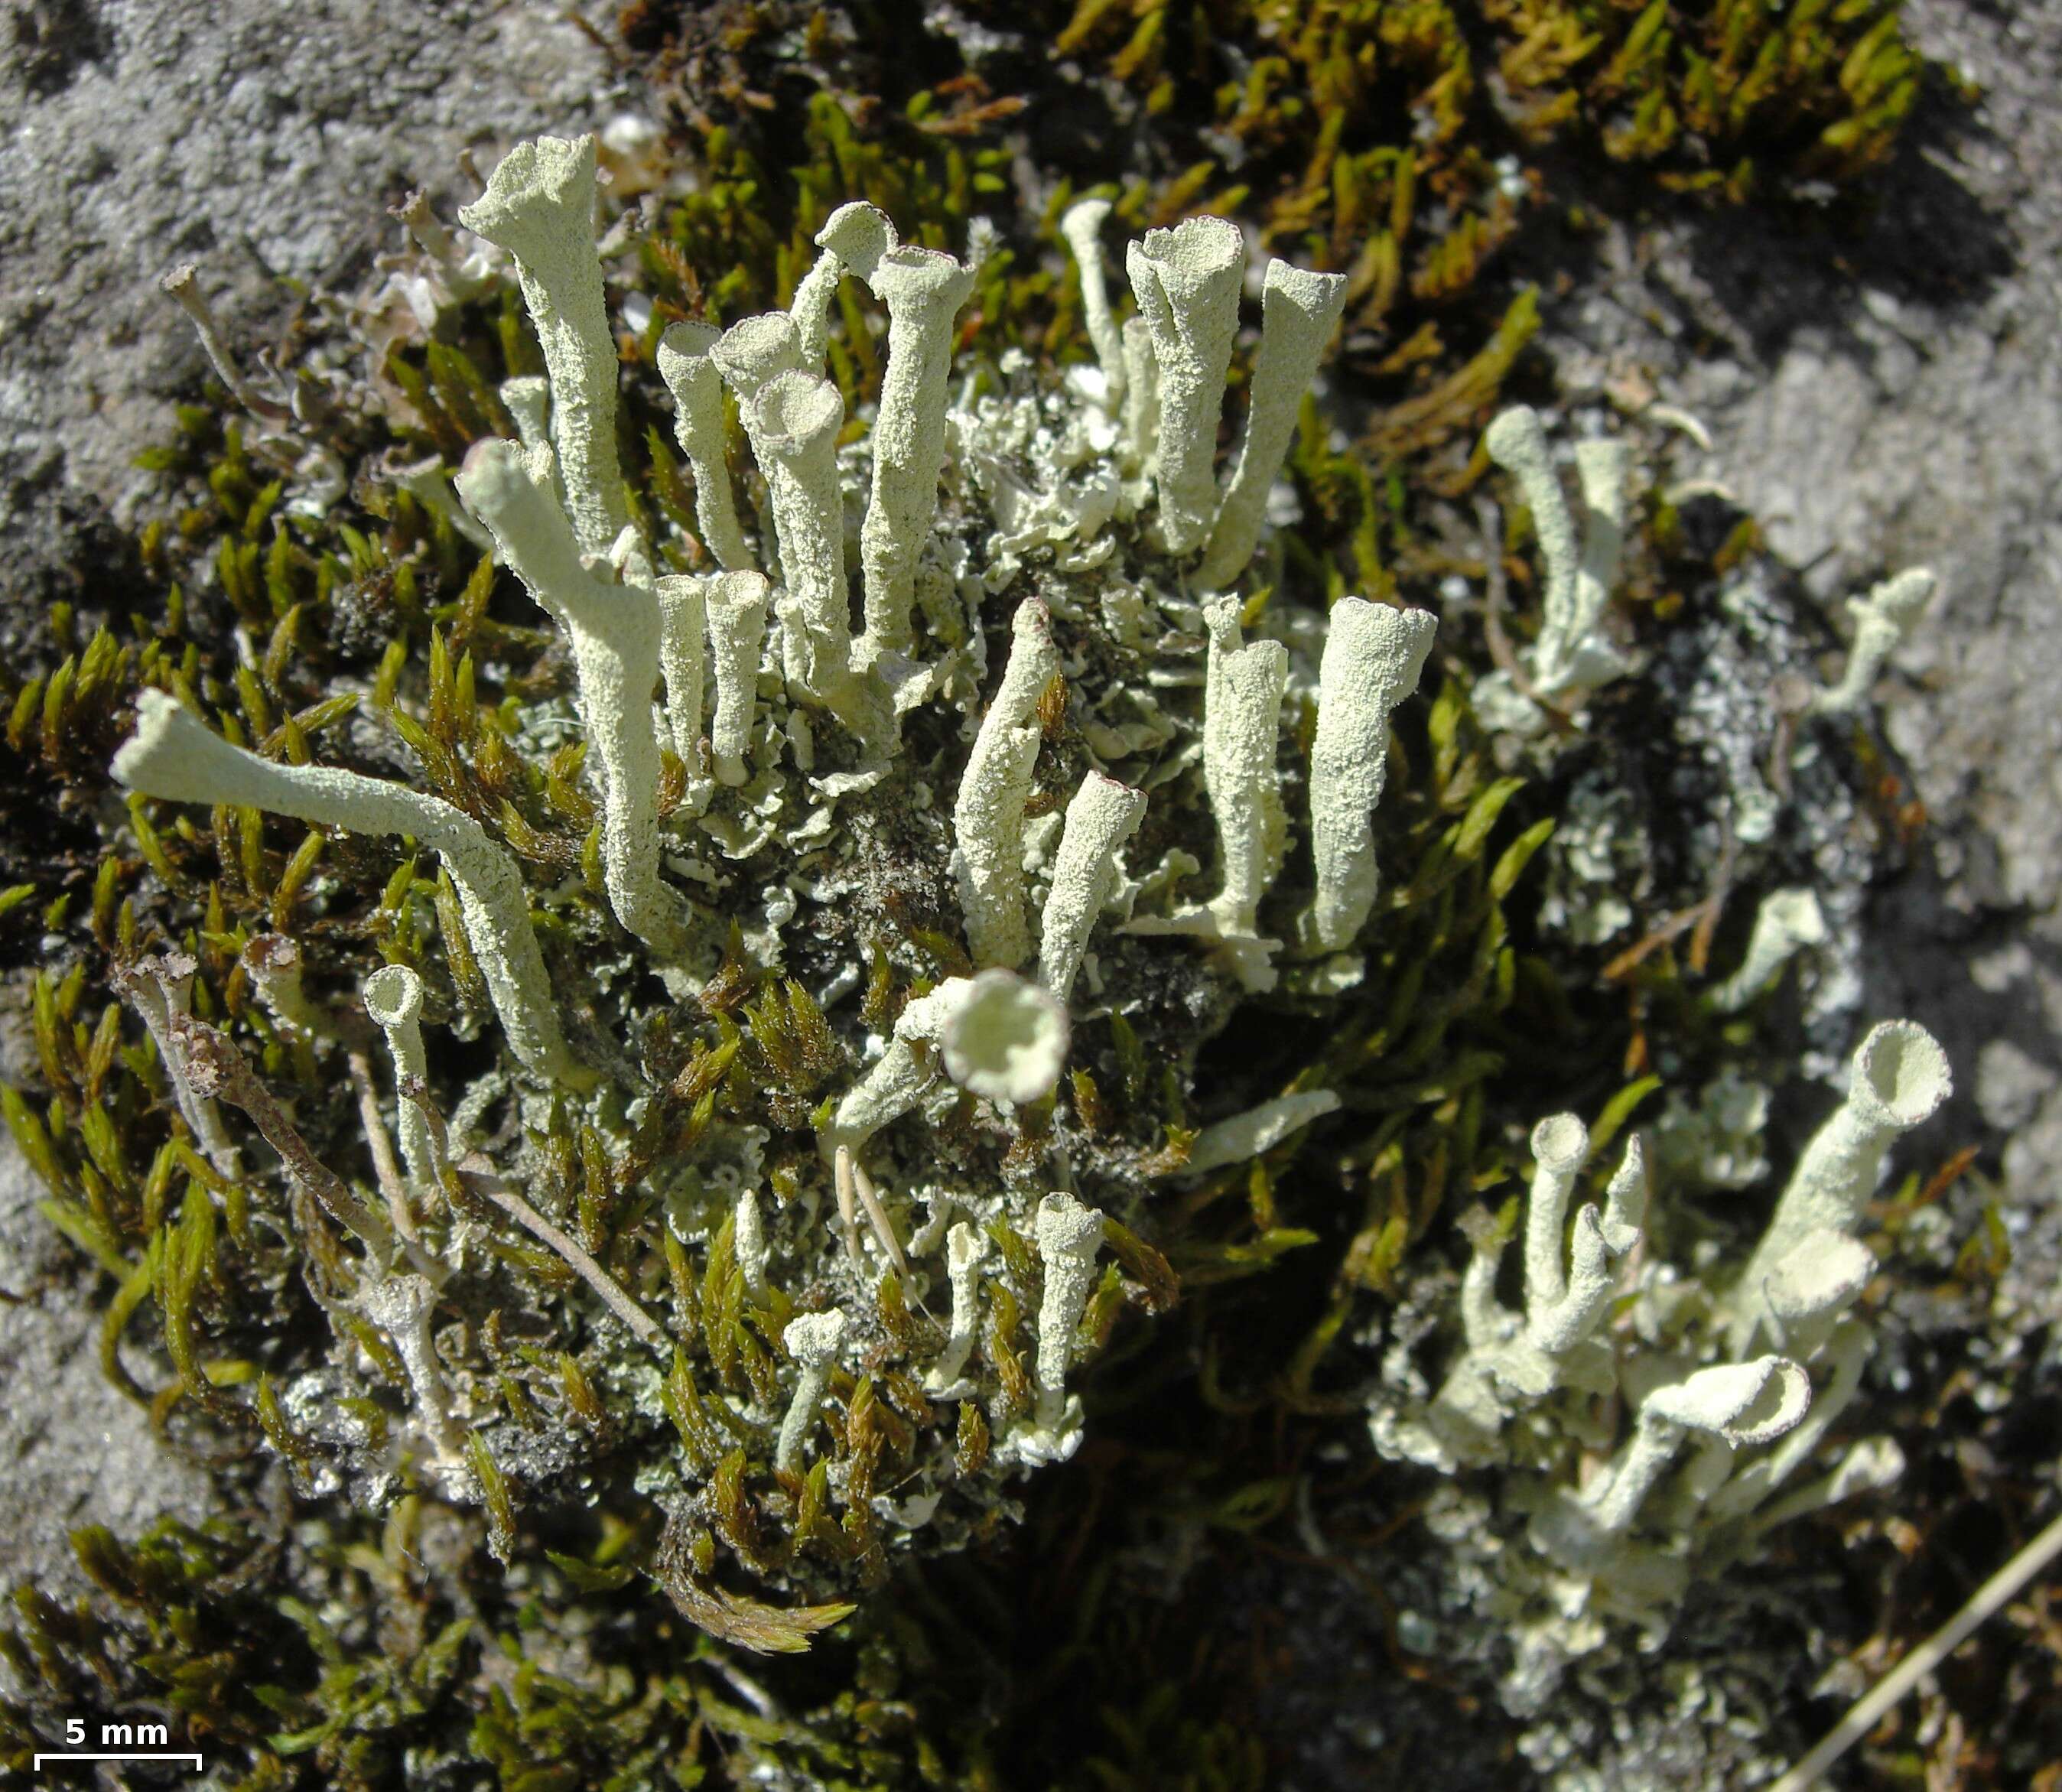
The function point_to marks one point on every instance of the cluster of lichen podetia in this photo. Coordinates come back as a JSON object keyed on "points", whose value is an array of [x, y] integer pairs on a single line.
{"points": [[796, 693], [1537, 1391]]}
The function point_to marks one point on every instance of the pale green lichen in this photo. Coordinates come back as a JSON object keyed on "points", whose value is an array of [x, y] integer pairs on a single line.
{"points": [[808, 857], [175, 756], [1897, 1080], [1540, 1392], [539, 205], [801, 777], [394, 1003], [1186, 282], [1883, 620], [1574, 655]]}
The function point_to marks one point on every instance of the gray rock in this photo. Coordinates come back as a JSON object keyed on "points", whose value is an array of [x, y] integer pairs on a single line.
{"points": [[72, 1451], [261, 142]]}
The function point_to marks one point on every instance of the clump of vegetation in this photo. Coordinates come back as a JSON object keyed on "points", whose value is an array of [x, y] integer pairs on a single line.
{"points": [[540, 1297], [666, 1181], [1303, 100]]}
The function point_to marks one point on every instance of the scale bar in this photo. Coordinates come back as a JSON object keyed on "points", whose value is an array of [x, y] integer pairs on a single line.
{"points": [[194, 1758]]}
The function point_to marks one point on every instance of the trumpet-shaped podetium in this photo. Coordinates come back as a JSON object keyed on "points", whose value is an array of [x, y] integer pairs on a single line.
{"points": [[1574, 654], [922, 291], [1786, 923], [690, 373], [1299, 312], [394, 1003], [1897, 1080], [539, 205], [1186, 282], [988, 817], [813, 1342], [1373, 657]]}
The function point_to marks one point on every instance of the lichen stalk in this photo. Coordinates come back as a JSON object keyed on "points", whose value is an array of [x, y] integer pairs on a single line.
{"points": [[813, 1342], [810, 309], [922, 291], [180, 284], [1787, 922], [393, 1001], [748, 1233], [1187, 281], [1811, 1288], [615, 631], [1738, 1403], [1897, 1080], [965, 1249], [1241, 724], [796, 418], [177, 759], [899, 1076], [273, 962], [1374, 655], [539, 205], [1883, 620], [1559, 1145], [527, 400], [1240, 1137], [690, 376], [401, 1307], [735, 605], [160, 990], [1103, 814], [1081, 225], [1517, 443], [988, 814], [1069, 1235], [1601, 467], [1141, 395], [1299, 312], [752, 352], [684, 660], [1837, 1366]]}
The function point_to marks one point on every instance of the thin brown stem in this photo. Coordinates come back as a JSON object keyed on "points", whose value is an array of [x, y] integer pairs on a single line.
{"points": [[215, 1069], [476, 1177]]}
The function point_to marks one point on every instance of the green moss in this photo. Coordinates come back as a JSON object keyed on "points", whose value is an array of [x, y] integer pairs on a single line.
{"points": [[1350, 114]]}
